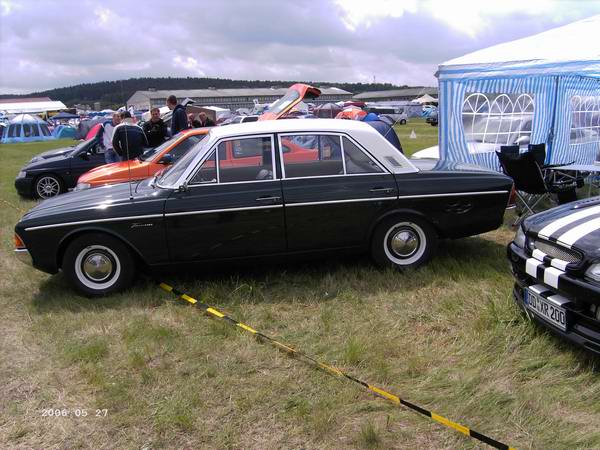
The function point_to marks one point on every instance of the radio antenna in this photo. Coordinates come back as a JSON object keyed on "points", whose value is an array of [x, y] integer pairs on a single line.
{"points": [[127, 146]]}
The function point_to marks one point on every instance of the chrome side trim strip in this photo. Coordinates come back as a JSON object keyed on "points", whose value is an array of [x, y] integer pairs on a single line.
{"points": [[452, 194], [209, 211], [352, 200], [83, 222]]}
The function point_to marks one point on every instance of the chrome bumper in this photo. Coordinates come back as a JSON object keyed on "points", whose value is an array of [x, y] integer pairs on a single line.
{"points": [[24, 256]]}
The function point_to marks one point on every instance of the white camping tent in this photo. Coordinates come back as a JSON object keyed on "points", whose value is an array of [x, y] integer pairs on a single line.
{"points": [[540, 89], [426, 99]]}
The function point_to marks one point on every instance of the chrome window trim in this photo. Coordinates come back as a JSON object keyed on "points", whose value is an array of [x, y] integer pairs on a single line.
{"points": [[215, 148], [83, 222], [340, 135]]}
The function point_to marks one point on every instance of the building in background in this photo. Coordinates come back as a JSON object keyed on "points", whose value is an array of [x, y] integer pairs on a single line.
{"points": [[393, 95], [30, 105], [226, 98]]}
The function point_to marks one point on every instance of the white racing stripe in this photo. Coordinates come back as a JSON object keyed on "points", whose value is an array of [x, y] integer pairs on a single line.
{"points": [[559, 264], [531, 266], [574, 234], [539, 255], [564, 221], [551, 276]]}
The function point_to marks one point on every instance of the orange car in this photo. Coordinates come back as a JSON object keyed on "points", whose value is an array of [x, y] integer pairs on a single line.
{"points": [[147, 165], [295, 94]]}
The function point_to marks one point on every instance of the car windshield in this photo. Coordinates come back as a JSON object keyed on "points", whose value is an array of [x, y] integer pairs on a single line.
{"points": [[285, 101], [79, 146], [172, 174], [152, 152]]}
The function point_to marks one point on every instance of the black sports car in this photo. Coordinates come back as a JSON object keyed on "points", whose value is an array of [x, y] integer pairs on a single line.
{"points": [[555, 258], [54, 172], [264, 189]]}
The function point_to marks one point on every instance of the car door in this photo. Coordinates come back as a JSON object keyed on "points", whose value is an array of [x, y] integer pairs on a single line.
{"points": [[229, 210], [333, 191], [90, 157]]}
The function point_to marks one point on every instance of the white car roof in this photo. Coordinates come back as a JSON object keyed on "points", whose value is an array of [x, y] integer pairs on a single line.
{"points": [[364, 134]]}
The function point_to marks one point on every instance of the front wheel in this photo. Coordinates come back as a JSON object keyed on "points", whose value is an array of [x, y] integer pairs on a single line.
{"points": [[48, 186], [403, 122], [97, 264], [403, 243]]}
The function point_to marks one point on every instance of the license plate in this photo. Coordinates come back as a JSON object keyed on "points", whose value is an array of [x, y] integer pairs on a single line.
{"points": [[545, 309]]}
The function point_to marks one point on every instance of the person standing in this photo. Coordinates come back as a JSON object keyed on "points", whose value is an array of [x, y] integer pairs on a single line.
{"points": [[179, 120], [204, 120], [156, 130], [105, 135], [129, 140]]}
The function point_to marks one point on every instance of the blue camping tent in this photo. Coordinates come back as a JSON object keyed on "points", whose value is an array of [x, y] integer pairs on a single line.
{"points": [[540, 89], [25, 128], [64, 132]]}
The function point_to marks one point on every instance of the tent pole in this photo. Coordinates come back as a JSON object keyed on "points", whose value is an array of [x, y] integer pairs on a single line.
{"points": [[550, 144]]}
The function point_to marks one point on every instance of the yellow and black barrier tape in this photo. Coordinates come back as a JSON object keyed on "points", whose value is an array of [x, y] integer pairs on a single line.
{"points": [[337, 372]]}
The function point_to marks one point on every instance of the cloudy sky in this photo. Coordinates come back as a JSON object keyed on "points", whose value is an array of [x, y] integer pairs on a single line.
{"points": [[54, 43]]}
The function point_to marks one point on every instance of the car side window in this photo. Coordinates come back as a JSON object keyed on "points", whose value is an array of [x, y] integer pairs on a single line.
{"points": [[311, 155], [251, 160], [207, 172], [356, 160]]}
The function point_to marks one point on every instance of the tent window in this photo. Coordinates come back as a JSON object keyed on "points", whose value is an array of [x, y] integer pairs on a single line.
{"points": [[45, 130], [491, 120], [26, 130], [585, 120]]}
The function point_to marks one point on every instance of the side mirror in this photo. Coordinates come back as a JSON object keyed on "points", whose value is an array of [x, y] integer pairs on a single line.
{"points": [[84, 155], [183, 187], [166, 159]]}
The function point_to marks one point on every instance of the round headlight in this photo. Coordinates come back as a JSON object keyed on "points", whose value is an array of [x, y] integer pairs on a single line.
{"points": [[519, 239], [82, 186]]}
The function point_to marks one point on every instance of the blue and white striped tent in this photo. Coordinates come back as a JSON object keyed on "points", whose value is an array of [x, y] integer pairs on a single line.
{"points": [[540, 89]]}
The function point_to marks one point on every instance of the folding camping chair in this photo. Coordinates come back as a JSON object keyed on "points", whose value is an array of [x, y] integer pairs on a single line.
{"points": [[532, 188]]}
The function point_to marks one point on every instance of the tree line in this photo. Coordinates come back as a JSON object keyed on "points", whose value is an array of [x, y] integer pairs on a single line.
{"points": [[112, 94]]}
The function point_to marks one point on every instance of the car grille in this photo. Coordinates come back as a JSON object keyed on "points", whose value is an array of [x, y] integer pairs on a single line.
{"points": [[557, 251]]}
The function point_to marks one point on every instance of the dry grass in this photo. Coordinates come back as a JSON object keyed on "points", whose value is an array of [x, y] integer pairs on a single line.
{"points": [[447, 337]]}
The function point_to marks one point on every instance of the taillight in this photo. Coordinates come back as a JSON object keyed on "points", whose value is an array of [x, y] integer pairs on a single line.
{"points": [[19, 242], [512, 198]]}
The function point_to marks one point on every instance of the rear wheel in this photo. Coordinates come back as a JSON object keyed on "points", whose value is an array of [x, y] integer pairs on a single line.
{"points": [[48, 186], [403, 122], [97, 264], [403, 242]]}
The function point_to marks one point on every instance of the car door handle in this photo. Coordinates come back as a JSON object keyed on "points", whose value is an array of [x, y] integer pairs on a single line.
{"points": [[268, 199], [382, 190]]}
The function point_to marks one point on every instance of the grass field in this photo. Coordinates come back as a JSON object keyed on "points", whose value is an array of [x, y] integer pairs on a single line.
{"points": [[447, 337]]}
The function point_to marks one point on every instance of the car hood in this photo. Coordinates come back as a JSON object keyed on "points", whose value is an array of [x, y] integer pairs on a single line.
{"points": [[49, 161], [55, 152], [108, 172], [304, 91], [575, 224], [107, 201]]}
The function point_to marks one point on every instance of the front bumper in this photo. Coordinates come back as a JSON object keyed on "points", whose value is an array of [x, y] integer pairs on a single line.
{"points": [[24, 256], [24, 186], [583, 329]]}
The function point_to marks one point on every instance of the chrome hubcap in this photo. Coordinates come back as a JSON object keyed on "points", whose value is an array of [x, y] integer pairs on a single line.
{"points": [[97, 267], [404, 242], [48, 187]]}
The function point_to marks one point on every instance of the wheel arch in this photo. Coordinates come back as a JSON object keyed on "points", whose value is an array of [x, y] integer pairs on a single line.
{"points": [[37, 176], [404, 213], [74, 234]]}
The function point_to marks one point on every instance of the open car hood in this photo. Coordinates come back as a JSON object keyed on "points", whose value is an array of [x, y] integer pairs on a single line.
{"points": [[295, 94]]}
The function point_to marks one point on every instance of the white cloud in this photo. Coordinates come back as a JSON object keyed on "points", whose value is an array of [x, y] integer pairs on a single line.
{"points": [[357, 13]]}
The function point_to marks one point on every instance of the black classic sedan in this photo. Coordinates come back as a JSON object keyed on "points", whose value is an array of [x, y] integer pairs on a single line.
{"points": [[54, 172], [555, 259], [264, 189]]}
